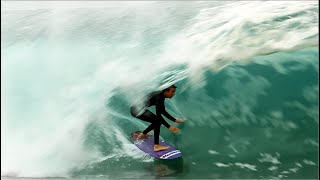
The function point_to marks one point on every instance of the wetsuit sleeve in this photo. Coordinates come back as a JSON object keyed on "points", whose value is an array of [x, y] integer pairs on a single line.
{"points": [[159, 111], [166, 114]]}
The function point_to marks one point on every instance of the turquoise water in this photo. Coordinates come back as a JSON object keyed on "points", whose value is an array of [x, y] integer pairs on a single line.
{"points": [[246, 72]]}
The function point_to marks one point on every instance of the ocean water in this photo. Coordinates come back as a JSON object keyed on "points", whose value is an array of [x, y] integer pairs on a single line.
{"points": [[247, 76]]}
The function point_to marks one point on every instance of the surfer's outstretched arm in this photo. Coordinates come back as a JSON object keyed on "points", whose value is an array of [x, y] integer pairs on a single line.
{"points": [[160, 109], [166, 114], [160, 118]]}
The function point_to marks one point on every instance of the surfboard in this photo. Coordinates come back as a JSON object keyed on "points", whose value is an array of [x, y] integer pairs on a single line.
{"points": [[146, 145]]}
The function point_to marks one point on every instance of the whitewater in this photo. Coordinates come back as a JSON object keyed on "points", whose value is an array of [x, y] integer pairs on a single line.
{"points": [[247, 85]]}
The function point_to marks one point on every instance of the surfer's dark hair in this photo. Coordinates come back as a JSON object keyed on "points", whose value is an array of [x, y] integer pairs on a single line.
{"points": [[168, 88]]}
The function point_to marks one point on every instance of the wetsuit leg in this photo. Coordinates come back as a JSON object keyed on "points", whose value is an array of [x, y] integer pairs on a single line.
{"points": [[148, 116], [155, 124]]}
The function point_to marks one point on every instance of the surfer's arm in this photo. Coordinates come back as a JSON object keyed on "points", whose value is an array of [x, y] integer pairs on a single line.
{"points": [[164, 112], [159, 111], [167, 115]]}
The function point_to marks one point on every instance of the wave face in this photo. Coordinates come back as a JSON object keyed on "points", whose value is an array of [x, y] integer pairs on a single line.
{"points": [[246, 72]]}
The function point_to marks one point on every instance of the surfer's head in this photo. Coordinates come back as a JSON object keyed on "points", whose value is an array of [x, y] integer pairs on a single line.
{"points": [[170, 91]]}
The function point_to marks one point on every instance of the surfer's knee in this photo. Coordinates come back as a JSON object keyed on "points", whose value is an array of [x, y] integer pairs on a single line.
{"points": [[157, 123]]}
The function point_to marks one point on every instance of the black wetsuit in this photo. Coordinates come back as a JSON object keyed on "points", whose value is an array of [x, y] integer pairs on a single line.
{"points": [[154, 99]]}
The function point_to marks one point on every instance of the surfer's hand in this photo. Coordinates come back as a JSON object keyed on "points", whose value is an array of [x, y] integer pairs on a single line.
{"points": [[180, 121], [174, 129]]}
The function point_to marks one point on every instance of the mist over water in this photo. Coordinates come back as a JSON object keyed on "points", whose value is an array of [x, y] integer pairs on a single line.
{"points": [[247, 77]]}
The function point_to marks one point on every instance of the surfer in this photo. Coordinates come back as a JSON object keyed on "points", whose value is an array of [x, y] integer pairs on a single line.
{"points": [[156, 99]]}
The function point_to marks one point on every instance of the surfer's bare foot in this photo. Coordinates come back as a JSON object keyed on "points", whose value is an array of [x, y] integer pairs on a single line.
{"points": [[158, 147], [141, 136]]}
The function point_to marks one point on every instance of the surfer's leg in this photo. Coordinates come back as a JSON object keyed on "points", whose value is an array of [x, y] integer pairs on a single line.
{"points": [[157, 146], [148, 117], [156, 133], [156, 124], [149, 128]]}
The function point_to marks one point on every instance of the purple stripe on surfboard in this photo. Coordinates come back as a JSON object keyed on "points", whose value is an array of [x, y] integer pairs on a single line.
{"points": [[146, 145]]}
